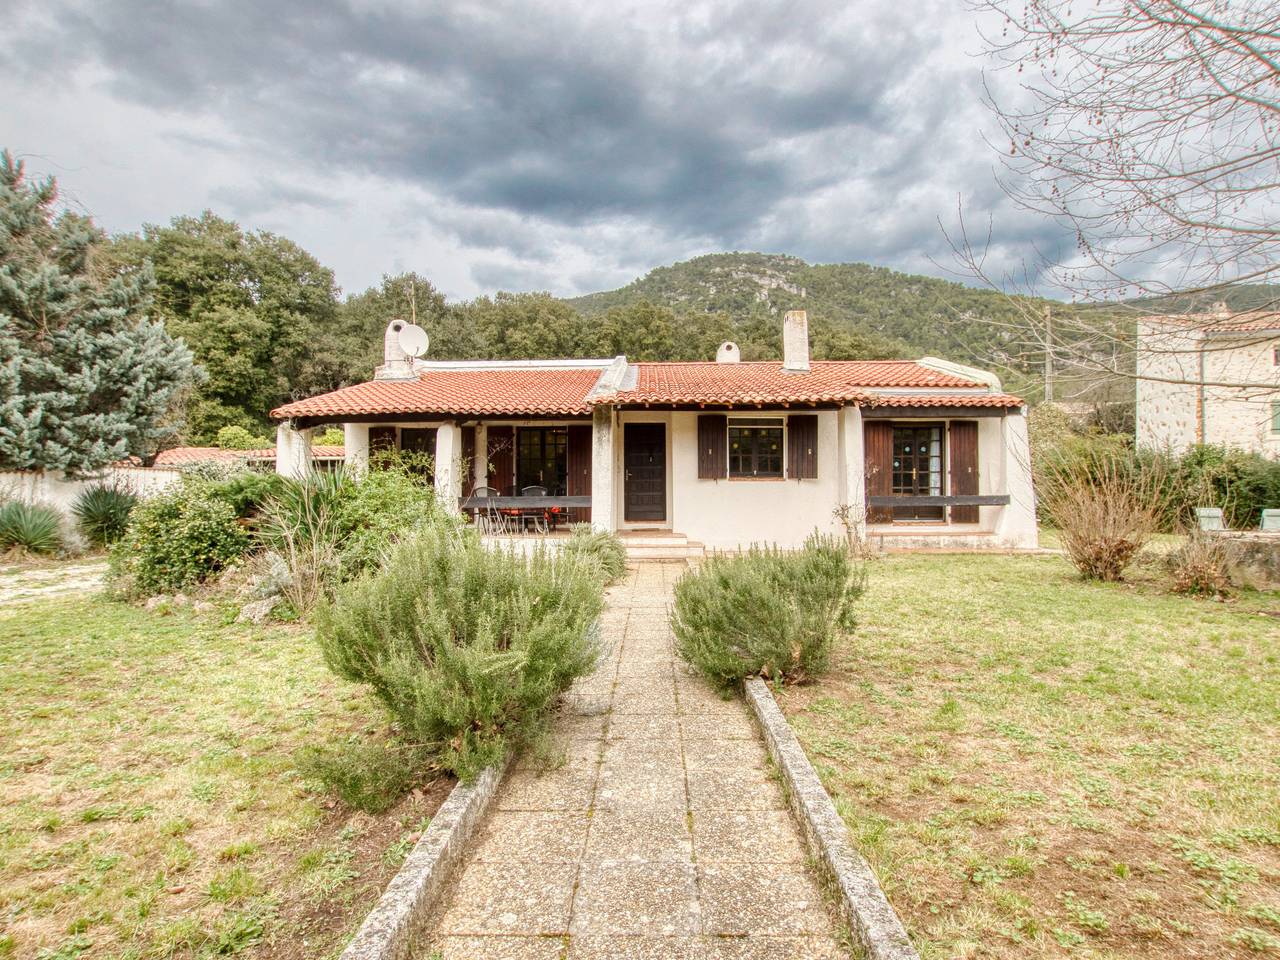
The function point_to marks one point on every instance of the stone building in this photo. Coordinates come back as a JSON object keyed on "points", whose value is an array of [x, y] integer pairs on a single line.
{"points": [[1209, 379]]}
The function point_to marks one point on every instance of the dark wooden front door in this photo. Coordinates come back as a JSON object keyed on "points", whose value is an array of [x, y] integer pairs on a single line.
{"points": [[644, 460]]}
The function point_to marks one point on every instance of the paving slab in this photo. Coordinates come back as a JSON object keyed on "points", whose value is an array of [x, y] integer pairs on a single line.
{"points": [[652, 828]]}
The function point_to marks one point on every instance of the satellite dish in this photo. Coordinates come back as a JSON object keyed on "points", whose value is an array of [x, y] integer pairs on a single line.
{"points": [[414, 340]]}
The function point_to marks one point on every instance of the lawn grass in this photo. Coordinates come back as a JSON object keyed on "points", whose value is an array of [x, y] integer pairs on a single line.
{"points": [[150, 800], [1040, 767]]}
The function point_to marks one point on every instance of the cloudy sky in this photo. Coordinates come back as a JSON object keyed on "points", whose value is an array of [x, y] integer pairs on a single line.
{"points": [[567, 146]]}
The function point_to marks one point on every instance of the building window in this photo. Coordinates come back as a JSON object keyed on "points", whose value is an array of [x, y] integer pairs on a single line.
{"points": [[1275, 416], [542, 459], [1275, 356], [917, 469], [755, 447]]}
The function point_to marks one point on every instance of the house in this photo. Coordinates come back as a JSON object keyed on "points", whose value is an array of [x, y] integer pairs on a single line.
{"points": [[1209, 379], [724, 452]]}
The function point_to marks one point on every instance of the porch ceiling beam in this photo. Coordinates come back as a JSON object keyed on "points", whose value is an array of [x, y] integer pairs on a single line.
{"points": [[933, 413], [976, 500]]}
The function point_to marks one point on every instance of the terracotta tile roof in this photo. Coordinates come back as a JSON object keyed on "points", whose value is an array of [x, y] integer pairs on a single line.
{"points": [[827, 381], [491, 392], [947, 400], [186, 456]]}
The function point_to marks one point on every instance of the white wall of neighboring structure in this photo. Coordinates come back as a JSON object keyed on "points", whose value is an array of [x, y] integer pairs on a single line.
{"points": [[1174, 412], [56, 490], [736, 513]]}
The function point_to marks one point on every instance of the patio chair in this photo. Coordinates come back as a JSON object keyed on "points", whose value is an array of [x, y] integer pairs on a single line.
{"points": [[489, 519], [1210, 518], [1270, 520], [535, 516]]}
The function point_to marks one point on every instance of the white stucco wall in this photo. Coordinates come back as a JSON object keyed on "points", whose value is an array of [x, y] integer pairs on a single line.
{"points": [[728, 514], [1168, 414]]}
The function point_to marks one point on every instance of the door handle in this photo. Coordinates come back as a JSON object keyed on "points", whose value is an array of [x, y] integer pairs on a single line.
{"points": [[626, 474]]}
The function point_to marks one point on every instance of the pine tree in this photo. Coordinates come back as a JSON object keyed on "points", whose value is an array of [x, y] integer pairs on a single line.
{"points": [[85, 377]]}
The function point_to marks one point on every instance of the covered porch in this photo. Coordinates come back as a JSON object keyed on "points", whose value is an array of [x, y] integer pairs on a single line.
{"points": [[510, 475]]}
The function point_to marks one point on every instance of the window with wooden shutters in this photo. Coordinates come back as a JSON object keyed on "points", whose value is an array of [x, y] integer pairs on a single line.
{"points": [[802, 446], [877, 457], [964, 468], [713, 454]]}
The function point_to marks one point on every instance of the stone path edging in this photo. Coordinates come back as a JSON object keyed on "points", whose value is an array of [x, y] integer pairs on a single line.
{"points": [[871, 919], [406, 904]]}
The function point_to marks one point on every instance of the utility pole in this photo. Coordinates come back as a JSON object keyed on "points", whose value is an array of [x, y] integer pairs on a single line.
{"points": [[1048, 353]]}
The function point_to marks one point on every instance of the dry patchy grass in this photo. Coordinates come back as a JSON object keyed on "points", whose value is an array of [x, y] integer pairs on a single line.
{"points": [[150, 804], [1040, 767]]}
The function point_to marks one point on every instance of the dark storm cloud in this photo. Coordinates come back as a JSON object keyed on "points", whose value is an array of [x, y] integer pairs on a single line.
{"points": [[697, 121]]}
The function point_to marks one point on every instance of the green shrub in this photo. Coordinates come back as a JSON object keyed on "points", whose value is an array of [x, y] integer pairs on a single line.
{"points": [[601, 548], [330, 527], [767, 613], [246, 490], [236, 437], [177, 539], [102, 511], [33, 527], [368, 776], [467, 648], [333, 437]]}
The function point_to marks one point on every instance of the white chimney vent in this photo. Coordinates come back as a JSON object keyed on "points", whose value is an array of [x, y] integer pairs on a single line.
{"points": [[396, 363], [728, 352], [795, 341]]}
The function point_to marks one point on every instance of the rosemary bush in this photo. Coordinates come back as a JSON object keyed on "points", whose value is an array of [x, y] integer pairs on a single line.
{"points": [[767, 613], [599, 547], [467, 648]]}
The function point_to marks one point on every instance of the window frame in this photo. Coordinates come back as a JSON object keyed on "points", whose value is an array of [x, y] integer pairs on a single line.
{"points": [[760, 423], [1275, 418]]}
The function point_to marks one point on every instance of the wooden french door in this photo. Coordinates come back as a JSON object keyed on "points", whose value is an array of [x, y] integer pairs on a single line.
{"points": [[917, 469], [644, 460]]}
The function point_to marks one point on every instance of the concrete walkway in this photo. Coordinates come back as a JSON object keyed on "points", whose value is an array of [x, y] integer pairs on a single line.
{"points": [[663, 834]]}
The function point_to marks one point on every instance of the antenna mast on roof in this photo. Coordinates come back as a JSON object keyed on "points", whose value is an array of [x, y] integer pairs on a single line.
{"points": [[413, 298]]}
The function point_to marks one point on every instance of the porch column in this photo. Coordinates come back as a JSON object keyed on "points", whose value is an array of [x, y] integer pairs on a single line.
{"points": [[355, 440], [293, 451], [852, 485], [1016, 525], [448, 466], [480, 464], [603, 516]]}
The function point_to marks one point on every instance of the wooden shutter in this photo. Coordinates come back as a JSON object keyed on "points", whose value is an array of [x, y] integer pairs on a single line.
{"points": [[877, 456], [578, 469], [713, 451], [964, 467], [501, 456], [468, 461], [802, 446]]}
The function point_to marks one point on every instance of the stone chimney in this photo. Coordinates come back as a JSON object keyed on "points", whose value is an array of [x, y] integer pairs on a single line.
{"points": [[728, 353], [795, 341], [396, 364]]}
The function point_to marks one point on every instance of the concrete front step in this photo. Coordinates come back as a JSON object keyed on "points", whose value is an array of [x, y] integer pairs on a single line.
{"points": [[668, 552], [661, 546]]}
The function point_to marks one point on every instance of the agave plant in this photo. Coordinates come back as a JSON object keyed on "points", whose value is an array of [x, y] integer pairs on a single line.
{"points": [[31, 527], [103, 512]]}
